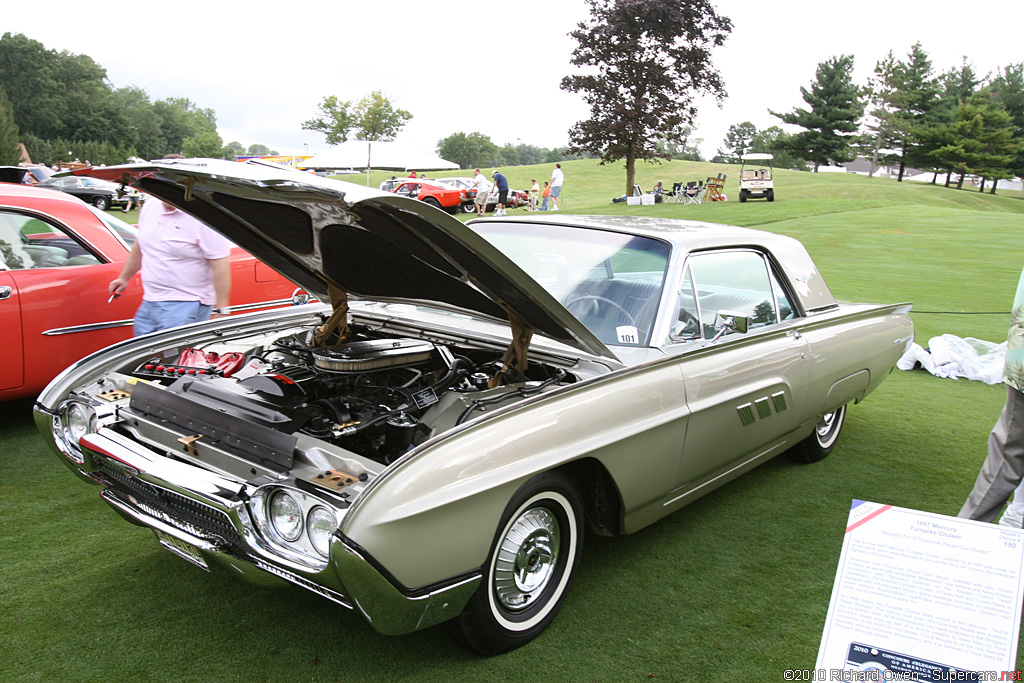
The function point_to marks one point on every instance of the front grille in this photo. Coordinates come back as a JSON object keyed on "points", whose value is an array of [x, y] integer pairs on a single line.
{"points": [[181, 511]]}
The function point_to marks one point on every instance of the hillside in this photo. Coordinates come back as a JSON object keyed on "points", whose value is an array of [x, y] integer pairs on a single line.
{"points": [[954, 253]]}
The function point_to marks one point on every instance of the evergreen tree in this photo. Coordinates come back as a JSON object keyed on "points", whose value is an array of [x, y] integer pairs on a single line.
{"points": [[978, 141], [915, 108], [831, 122], [882, 95], [1008, 89]]}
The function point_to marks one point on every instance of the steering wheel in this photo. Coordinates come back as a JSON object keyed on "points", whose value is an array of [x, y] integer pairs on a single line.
{"points": [[573, 301]]}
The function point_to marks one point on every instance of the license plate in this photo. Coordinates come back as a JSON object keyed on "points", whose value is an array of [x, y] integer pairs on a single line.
{"points": [[185, 551]]}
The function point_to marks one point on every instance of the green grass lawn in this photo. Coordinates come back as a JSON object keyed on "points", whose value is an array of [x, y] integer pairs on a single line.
{"points": [[734, 587]]}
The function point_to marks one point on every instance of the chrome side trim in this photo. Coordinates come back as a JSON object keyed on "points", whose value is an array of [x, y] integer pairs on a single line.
{"points": [[322, 591], [92, 327], [259, 304]]}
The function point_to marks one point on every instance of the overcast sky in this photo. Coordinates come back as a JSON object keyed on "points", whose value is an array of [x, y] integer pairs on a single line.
{"points": [[263, 67]]}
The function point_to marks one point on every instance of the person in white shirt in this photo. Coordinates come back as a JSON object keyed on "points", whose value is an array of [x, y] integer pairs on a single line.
{"points": [[557, 178], [483, 188]]}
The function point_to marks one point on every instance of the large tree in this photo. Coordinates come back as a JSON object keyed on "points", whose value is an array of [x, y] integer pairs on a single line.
{"points": [[737, 142], [830, 123], [469, 150], [1008, 89], [773, 140], [881, 99], [643, 63], [979, 140], [376, 118], [57, 94], [9, 137], [916, 107], [334, 119]]}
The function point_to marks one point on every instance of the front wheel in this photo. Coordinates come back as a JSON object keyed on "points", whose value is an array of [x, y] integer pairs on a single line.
{"points": [[821, 442], [743, 196], [101, 203], [529, 570], [769, 195]]}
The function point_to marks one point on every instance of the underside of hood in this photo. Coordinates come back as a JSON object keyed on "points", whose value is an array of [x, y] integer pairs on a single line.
{"points": [[371, 244]]}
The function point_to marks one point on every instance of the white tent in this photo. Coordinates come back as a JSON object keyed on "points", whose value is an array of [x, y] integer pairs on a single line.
{"points": [[384, 156]]}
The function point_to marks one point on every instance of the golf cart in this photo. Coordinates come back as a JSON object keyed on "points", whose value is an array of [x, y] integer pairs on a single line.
{"points": [[756, 182]]}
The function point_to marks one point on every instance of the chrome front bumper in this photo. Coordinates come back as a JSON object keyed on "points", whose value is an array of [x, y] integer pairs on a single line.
{"points": [[209, 513]]}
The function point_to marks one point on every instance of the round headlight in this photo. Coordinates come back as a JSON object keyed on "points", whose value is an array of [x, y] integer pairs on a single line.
{"points": [[79, 420], [320, 524], [286, 516]]}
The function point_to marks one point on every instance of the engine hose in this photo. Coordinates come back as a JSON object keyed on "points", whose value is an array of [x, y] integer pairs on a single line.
{"points": [[522, 392], [455, 370]]}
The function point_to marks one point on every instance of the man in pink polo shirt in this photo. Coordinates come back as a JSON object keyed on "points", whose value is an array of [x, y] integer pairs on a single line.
{"points": [[186, 269]]}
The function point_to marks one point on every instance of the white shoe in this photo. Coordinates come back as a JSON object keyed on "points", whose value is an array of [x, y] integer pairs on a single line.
{"points": [[1012, 517], [555, 209]]}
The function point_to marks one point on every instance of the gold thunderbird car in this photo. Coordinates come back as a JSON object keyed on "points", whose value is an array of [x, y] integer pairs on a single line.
{"points": [[430, 443]]}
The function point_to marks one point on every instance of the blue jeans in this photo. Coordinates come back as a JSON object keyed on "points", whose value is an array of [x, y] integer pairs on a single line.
{"points": [[544, 204], [159, 315]]}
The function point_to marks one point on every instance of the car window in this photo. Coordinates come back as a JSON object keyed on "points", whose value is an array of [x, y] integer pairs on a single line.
{"points": [[738, 281], [611, 282], [28, 242]]}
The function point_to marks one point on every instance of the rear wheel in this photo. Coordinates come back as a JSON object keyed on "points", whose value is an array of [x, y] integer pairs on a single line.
{"points": [[469, 207], [769, 195], [433, 202], [101, 203], [821, 442], [529, 570], [743, 196]]}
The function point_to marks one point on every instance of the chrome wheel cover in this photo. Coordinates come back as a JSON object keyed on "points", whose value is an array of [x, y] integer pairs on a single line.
{"points": [[527, 559], [824, 426]]}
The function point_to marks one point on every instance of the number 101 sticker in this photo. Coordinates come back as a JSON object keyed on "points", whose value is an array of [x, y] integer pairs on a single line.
{"points": [[627, 334]]}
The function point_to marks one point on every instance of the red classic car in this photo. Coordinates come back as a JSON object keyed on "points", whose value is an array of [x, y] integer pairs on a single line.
{"points": [[438, 195], [57, 256]]}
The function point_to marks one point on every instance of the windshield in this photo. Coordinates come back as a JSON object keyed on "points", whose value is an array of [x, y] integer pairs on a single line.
{"points": [[611, 282], [123, 230]]}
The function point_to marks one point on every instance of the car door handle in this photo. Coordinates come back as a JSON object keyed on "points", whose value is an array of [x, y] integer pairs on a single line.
{"points": [[795, 334], [5, 292]]}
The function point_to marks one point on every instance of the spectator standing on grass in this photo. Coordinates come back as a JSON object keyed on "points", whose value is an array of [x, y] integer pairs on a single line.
{"points": [[545, 196], [502, 185], [1003, 469], [483, 188], [534, 195], [186, 268], [557, 178]]}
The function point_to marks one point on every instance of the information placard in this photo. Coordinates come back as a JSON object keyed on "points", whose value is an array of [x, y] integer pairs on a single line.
{"points": [[923, 597]]}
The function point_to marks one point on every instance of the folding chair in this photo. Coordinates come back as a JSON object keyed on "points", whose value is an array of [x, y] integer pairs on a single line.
{"points": [[693, 193], [637, 192], [677, 192], [714, 188]]}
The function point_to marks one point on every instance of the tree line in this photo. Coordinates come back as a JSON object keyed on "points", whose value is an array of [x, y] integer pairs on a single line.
{"points": [[61, 106], [955, 123]]}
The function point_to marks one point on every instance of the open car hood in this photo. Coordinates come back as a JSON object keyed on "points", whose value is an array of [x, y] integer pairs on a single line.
{"points": [[371, 244]]}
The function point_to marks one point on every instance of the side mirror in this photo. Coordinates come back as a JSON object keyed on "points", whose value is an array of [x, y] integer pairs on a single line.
{"points": [[301, 296], [729, 321]]}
